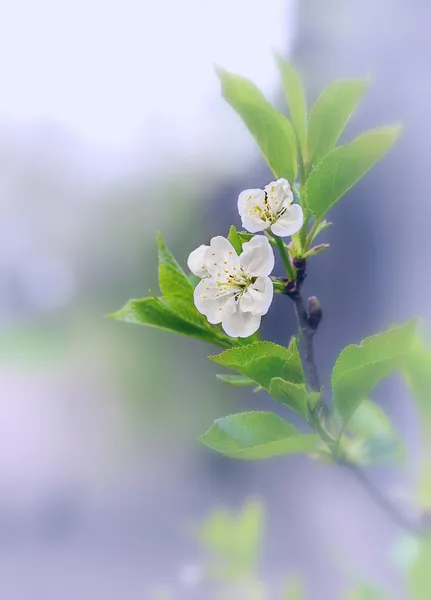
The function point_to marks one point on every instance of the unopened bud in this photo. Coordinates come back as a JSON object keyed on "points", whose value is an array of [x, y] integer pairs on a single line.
{"points": [[315, 312]]}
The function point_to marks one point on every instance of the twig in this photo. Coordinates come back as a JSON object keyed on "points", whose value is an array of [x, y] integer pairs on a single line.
{"points": [[293, 290], [384, 503]]}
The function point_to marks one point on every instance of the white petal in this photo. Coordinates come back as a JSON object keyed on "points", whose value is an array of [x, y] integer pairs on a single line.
{"points": [[257, 257], [254, 224], [241, 324], [258, 297], [196, 262], [290, 222], [249, 198], [211, 303], [221, 258], [279, 193]]}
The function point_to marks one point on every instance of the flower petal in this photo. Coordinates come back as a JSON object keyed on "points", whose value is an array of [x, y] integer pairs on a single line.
{"points": [[211, 303], [279, 194], [249, 198], [241, 324], [257, 257], [196, 262], [254, 224], [290, 222], [221, 258], [251, 204], [257, 299]]}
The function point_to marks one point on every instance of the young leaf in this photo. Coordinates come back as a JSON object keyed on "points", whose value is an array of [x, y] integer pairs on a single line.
{"points": [[234, 239], [295, 96], [262, 361], [344, 166], [172, 279], [271, 130], [236, 380], [369, 420], [330, 115], [155, 313], [360, 368], [321, 227], [255, 435], [372, 427], [293, 395]]}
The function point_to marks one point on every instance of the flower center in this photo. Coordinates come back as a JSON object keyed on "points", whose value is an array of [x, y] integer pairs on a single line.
{"points": [[271, 210], [236, 283]]}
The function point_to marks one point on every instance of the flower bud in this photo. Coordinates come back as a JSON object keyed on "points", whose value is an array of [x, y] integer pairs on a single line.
{"points": [[315, 312]]}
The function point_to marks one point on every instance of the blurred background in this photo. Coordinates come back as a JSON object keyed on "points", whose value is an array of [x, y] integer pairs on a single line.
{"points": [[112, 128]]}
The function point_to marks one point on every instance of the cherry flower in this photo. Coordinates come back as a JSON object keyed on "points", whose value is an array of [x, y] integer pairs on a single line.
{"points": [[271, 208], [235, 290]]}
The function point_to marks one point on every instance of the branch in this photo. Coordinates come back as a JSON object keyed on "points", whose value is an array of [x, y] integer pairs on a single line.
{"points": [[384, 503], [308, 322]]}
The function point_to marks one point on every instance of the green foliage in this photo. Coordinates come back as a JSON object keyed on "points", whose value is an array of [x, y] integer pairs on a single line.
{"points": [[419, 575], [236, 380], [255, 435], [295, 589], [366, 592], [235, 239], [374, 440], [295, 96], [234, 540], [262, 361], [173, 282], [293, 395], [417, 373], [271, 130], [175, 311], [360, 368], [330, 115], [156, 312], [344, 166]]}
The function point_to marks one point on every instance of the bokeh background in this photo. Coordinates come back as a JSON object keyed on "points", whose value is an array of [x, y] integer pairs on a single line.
{"points": [[112, 128]]}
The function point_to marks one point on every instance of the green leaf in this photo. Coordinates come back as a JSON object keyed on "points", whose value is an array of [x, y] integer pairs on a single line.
{"points": [[155, 313], [344, 166], [375, 441], [321, 227], [293, 395], [234, 540], [330, 115], [235, 240], [360, 368], [174, 283], [262, 361], [236, 380], [255, 435], [419, 576], [295, 97], [417, 373], [271, 130], [366, 592], [295, 589], [369, 420]]}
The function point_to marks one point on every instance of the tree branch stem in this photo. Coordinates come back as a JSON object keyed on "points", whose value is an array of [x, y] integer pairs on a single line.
{"points": [[293, 290]]}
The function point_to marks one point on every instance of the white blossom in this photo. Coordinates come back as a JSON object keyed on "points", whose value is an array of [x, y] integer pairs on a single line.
{"points": [[235, 290], [271, 208]]}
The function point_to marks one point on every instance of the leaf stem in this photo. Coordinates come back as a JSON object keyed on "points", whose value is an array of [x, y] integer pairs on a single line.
{"points": [[291, 273], [310, 236]]}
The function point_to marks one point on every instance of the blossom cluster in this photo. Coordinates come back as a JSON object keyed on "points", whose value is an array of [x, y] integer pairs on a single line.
{"points": [[236, 290]]}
